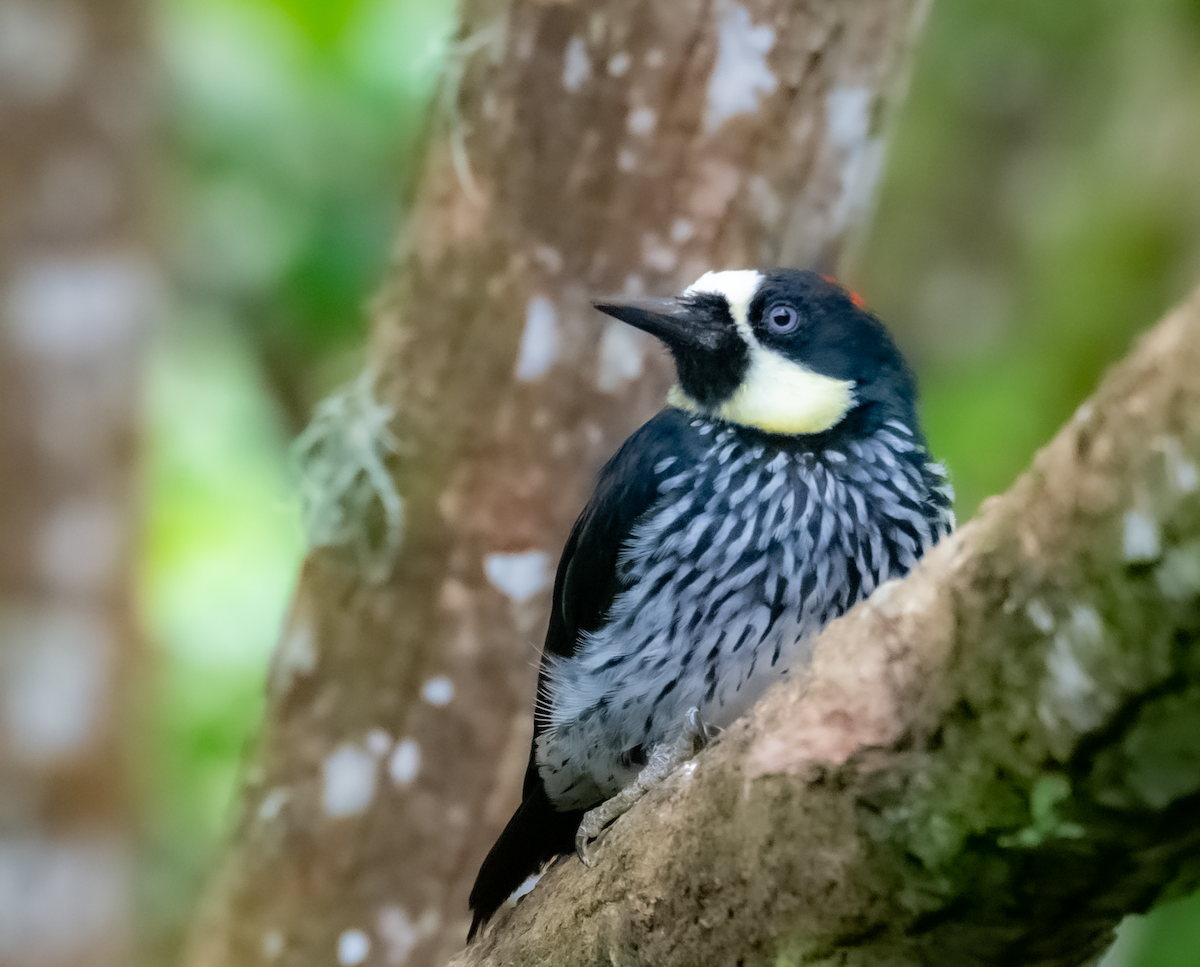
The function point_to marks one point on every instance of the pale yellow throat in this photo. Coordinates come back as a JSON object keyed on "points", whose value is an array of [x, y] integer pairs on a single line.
{"points": [[778, 396]]}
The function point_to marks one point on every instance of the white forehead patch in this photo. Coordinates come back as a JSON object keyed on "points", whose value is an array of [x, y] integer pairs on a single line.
{"points": [[738, 287]]}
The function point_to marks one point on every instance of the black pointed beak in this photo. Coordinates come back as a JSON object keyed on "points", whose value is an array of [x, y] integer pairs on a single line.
{"points": [[680, 323]]}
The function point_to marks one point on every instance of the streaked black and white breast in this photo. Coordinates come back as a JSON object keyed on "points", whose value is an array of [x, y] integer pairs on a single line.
{"points": [[754, 543]]}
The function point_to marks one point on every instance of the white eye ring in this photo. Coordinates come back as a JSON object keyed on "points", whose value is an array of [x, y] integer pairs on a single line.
{"points": [[782, 319]]}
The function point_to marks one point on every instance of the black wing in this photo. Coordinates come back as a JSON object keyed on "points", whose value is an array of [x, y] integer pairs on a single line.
{"points": [[584, 588], [627, 488]]}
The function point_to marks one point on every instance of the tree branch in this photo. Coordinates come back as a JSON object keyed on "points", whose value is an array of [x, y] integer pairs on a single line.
{"points": [[990, 762]]}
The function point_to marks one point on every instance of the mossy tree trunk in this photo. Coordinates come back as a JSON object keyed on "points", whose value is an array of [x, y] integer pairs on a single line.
{"points": [[581, 149]]}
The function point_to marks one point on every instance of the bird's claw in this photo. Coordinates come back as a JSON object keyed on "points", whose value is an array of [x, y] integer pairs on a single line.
{"points": [[594, 821], [694, 736], [696, 732]]}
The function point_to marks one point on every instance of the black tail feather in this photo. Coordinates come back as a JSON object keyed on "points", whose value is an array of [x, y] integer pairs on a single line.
{"points": [[536, 833]]}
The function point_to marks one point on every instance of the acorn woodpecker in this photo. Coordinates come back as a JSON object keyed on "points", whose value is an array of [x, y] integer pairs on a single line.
{"points": [[787, 479]]}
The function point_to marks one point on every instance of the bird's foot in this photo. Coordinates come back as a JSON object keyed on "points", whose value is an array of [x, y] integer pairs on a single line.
{"points": [[664, 759]]}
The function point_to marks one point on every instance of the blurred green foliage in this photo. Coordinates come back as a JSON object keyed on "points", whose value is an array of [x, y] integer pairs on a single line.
{"points": [[292, 127], [221, 550], [290, 138], [1041, 205]]}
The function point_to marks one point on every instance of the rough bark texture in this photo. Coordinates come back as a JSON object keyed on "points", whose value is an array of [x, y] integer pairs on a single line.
{"points": [[585, 148], [989, 763], [73, 301]]}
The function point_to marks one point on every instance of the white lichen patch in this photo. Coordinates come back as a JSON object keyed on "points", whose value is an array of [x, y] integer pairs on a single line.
{"points": [[716, 187], [1181, 472], [41, 49], [524, 889], [1087, 627], [1178, 575], [348, 781], [401, 934], [1040, 616], [296, 653], [1071, 695], [378, 742], [272, 944], [1141, 543], [55, 675], [549, 258], [627, 159], [344, 481], [539, 340], [657, 256], [619, 63], [764, 199], [577, 66], [63, 897], [272, 804], [81, 308], [641, 121], [621, 357], [848, 114], [518, 576], [740, 76], [682, 231], [438, 691], [353, 946], [405, 762], [1070, 683], [1187, 477]]}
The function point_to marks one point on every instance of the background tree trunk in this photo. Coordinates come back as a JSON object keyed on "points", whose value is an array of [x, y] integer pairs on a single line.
{"points": [[583, 149], [75, 290]]}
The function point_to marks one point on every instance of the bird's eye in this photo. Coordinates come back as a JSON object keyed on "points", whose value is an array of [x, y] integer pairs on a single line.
{"points": [[782, 319]]}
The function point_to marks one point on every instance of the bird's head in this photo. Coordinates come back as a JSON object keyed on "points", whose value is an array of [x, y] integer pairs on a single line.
{"points": [[787, 352]]}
